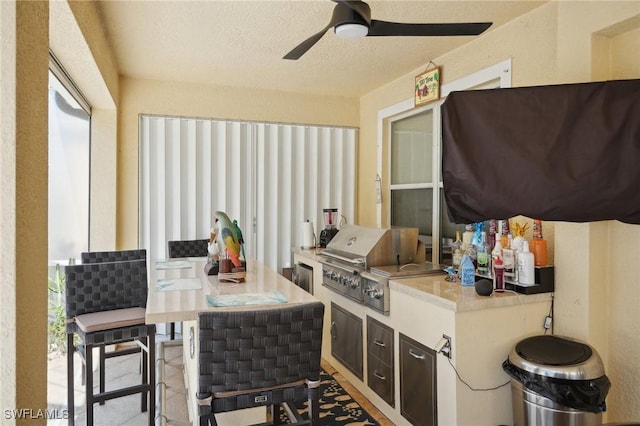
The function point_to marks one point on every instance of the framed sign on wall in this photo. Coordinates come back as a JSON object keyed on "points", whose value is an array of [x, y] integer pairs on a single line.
{"points": [[427, 88]]}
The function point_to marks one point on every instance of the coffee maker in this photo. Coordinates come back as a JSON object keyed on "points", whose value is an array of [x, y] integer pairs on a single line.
{"points": [[330, 230]]}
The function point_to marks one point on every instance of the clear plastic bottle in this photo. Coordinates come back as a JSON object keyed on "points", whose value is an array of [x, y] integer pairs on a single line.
{"points": [[467, 271]]}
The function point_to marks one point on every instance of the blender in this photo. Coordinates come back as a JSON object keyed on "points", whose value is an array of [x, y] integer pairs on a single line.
{"points": [[330, 230]]}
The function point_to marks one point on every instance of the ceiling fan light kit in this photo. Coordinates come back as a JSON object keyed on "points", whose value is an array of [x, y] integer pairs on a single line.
{"points": [[351, 31], [352, 20]]}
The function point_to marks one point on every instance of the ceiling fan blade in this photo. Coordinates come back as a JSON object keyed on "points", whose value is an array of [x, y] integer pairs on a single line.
{"points": [[384, 28], [302, 48]]}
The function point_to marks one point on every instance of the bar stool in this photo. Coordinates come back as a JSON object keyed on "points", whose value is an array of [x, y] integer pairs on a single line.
{"points": [[186, 248], [267, 357], [105, 305], [112, 256]]}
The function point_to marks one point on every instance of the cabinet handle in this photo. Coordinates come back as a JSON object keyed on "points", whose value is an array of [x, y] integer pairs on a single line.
{"points": [[378, 375], [415, 355], [192, 343], [379, 343], [333, 329]]}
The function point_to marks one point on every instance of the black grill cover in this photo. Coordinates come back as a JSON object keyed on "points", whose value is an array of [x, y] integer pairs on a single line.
{"points": [[585, 395], [564, 152]]}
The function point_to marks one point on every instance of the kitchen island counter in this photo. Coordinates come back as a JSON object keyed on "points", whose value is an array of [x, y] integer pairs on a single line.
{"points": [[180, 289]]}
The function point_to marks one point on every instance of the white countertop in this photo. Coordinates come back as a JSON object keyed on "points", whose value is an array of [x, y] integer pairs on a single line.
{"points": [[458, 298], [181, 298], [308, 253]]}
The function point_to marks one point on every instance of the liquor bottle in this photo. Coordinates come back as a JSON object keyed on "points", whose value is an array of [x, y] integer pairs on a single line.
{"points": [[526, 270], [483, 255], [497, 249], [538, 244], [491, 237], [498, 275], [456, 252], [509, 260], [505, 232], [467, 236]]}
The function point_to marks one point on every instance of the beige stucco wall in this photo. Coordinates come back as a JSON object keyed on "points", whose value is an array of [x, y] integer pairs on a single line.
{"points": [[23, 186], [28, 30], [185, 99], [622, 283], [561, 42]]}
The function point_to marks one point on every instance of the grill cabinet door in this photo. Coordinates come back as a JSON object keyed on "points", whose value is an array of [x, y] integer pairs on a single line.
{"points": [[346, 339], [418, 402]]}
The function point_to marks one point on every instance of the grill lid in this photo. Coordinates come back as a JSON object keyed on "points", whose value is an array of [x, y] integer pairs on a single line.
{"points": [[373, 246]]}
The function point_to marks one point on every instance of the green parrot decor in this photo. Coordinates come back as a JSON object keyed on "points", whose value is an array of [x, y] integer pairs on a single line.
{"points": [[231, 236]]}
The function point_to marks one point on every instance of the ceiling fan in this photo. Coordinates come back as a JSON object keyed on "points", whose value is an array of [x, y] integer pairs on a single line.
{"points": [[352, 19]]}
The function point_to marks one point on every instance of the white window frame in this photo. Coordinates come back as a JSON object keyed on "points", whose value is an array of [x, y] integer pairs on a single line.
{"points": [[498, 75]]}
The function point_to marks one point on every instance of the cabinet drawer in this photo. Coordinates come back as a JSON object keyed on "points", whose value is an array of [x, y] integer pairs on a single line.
{"points": [[380, 340], [380, 379]]}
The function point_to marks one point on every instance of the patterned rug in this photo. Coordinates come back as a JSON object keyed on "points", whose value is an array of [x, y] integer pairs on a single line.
{"points": [[337, 407]]}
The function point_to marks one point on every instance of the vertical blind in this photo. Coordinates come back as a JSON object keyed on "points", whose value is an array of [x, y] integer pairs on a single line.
{"points": [[271, 177]]}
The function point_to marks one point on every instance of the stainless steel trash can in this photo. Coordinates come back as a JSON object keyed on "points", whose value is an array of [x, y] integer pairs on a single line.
{"points": [[556, 381]]}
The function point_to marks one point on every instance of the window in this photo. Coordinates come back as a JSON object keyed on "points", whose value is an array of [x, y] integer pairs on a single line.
{"points": [[416, 193], [69, 151]]}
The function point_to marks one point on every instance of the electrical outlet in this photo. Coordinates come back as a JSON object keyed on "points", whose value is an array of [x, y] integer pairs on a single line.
{"points": [[446, 349]]}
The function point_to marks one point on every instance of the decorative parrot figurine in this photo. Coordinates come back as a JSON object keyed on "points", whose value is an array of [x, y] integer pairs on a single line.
{"points": [[230, 238], [240, 237]]}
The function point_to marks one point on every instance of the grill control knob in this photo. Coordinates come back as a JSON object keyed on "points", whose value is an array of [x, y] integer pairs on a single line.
{"points": [[374, 293], [354, 284]]}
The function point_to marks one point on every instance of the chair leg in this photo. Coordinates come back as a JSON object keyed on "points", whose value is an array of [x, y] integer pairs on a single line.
{"points": [[151, 342], [88, 356], [208, 420], [314, 406], [70, 401], [144, 370], [274, 412], [102, 371]]}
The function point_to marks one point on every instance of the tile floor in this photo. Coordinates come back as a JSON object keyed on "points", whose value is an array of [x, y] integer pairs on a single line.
{"points": [[124, 370]]}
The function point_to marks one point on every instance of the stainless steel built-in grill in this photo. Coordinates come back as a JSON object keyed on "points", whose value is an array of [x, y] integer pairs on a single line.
{"points": [[359, 261]]}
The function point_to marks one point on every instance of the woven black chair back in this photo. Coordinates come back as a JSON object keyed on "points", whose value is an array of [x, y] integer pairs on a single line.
{"points": [[97, 287], [113, 256], [188, 248], [254, 350]]}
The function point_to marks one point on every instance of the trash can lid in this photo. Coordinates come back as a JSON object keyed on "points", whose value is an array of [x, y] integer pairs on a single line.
{"points": [[558, 357]]}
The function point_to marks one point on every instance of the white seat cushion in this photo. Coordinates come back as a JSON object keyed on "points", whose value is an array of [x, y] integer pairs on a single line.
{"points": [[105, 320]]}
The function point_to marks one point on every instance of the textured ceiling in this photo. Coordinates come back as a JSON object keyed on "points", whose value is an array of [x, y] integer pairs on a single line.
{"points": [[241, 43]]}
